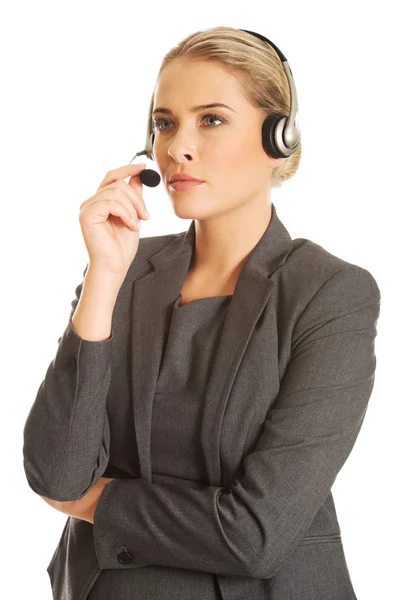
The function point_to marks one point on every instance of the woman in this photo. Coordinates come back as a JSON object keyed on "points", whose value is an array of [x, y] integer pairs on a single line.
{"points": [[218, 378]]}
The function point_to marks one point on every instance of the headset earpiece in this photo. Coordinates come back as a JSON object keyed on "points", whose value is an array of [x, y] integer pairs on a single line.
{"points": [[272, 137]]}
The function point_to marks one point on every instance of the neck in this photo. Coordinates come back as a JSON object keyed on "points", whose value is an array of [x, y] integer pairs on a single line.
{"points": [[223, 243]]}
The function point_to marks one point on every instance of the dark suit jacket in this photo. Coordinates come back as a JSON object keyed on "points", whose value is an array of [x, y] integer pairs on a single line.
{"points": [[296, 354]]}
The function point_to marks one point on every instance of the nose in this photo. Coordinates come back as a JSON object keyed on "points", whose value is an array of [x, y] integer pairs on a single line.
{"points": [[181, 149]]}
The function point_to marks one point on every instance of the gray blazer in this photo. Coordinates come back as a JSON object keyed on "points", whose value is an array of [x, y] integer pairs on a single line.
{"points": [[296, 352]]}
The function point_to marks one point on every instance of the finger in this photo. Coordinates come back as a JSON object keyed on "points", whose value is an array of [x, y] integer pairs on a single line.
{"points": [[134, 196], [117, 204], [123, 209], [118, 194], [122, 173]]}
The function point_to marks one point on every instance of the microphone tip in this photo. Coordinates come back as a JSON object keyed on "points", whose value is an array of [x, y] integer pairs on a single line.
{"points": [[150, 178]]}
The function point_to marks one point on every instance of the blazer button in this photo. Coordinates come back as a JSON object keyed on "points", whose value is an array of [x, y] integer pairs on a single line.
{"points": [[125, 558], [70, 364]]}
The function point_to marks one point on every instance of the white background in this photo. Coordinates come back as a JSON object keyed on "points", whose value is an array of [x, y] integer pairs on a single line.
{"points": [[76, 82]]}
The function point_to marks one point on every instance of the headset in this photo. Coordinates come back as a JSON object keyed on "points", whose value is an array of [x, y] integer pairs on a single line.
{"points": [[280, 133]]}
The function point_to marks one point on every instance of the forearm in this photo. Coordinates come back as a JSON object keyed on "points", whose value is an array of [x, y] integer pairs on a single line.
{"points": [[84, 507], [72, 508], [93, 315], [66, 434]]}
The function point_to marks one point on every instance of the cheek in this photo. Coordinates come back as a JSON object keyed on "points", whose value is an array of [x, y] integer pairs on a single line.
{"points": [[239, 155], [230, 170], [226, 163]]}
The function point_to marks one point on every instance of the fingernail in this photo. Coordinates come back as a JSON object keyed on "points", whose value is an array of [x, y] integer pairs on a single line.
{"points": [[147, 214]]}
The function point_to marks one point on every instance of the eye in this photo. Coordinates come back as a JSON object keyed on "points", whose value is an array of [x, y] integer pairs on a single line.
{"points": [[156, 122]]}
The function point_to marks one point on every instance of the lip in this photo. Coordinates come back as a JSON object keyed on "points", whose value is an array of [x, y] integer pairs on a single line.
{"points": [[183, 177], [182, 186]]}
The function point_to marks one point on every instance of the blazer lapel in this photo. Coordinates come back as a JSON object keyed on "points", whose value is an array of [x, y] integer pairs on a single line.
{"points": [[153, 298]]}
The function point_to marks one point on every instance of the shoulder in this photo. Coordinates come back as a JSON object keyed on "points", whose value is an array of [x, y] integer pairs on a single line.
{"points": [[310, 270]]}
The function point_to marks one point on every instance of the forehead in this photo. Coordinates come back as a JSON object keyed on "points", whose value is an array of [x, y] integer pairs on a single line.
{"points": [[195, 82]]}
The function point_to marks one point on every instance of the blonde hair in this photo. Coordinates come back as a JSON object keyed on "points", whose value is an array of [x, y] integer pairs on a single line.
{"points": [[257, 68]]}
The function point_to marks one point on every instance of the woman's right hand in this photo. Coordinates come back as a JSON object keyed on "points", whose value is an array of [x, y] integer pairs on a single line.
{"points": [[106, 219]]}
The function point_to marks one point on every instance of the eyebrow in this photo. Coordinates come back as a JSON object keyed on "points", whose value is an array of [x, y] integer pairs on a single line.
{"points": [[194, 109]]}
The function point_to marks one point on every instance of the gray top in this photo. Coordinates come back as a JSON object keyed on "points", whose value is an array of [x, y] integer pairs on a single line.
{"points": [[193, 337]]}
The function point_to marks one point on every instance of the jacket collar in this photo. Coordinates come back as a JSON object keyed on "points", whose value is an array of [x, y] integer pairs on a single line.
{"points": [[268, 254]]}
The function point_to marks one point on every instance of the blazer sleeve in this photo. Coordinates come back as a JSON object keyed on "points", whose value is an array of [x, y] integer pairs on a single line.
{"points": [[308, 434], [66, 436]]}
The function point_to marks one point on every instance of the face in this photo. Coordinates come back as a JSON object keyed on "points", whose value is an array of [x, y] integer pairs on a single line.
{"points": [[222, 146]]}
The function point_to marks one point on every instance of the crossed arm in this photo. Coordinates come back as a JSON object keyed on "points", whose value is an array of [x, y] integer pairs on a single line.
{"points": [[85, 507]]}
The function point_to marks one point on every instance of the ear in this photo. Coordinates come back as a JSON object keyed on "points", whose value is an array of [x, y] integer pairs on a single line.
{"points": [[273, 163], [278, 161]]}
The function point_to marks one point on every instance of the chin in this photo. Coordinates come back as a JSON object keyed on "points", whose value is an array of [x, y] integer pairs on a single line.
{"points": [[186, 212]]}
